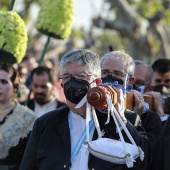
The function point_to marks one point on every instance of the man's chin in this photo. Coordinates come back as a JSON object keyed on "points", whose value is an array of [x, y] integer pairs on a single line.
{"points": [[40, 101]]}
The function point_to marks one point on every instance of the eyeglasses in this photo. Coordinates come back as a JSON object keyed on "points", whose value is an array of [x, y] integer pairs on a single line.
{"points": [[141, 83], [80, 76], [116, 74]]}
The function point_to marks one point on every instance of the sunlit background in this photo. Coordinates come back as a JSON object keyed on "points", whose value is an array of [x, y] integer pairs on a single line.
{"points": [[140, 28]]}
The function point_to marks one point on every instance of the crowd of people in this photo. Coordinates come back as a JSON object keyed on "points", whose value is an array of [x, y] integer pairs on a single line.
{"points": [[42, 127]]}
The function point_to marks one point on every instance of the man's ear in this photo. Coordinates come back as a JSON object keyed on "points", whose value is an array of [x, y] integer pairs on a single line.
{"points": [[98, 81], [132, 80]]}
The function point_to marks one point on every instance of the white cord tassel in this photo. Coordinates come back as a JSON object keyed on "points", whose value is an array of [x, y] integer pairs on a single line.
{"points": [[129, 161], [141, 154]]}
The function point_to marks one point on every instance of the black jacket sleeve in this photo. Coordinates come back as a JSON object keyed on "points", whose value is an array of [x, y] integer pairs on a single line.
{"points": [[162, 149]]}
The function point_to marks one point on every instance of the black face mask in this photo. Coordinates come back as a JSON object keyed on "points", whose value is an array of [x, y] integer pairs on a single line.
{"points": [[111, 79], [135, 87], [163, 89], [76, 89]]}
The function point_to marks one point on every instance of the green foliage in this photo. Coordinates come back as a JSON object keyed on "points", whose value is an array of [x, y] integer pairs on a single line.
{"points": [[35, 1], [4, 5], [76, 34], [55, 18], [167, 17], [13, 37], [154, 43], [106, 39], [148, 8]]}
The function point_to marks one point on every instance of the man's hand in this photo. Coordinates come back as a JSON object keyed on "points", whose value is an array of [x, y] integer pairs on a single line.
{"points": [[119, 106], [139, 102], [157, 102]]}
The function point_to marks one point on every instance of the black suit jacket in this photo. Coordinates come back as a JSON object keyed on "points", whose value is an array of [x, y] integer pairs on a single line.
{"points": [[49, 145], [31, 104], [152, 125], [162, 149]]}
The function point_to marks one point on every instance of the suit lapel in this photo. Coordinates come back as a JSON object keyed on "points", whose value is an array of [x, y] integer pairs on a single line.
{"points": [[62, 127]]}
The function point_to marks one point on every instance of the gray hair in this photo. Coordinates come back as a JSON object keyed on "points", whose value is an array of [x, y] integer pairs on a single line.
{"points": [[83, 57], [138, 62], [130, 65]]}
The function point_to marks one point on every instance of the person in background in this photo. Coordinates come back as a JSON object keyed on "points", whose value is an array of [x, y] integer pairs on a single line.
{"points": [[58, 90], [23, 90], [30, 63], [16, 121], [161, 82], [119, 66], [42, 83], [143, 75], [22, 73], [57, 134], [161, 72]]}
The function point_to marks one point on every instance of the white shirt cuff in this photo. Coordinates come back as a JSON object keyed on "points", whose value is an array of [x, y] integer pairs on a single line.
{"points": [[164, 118]]}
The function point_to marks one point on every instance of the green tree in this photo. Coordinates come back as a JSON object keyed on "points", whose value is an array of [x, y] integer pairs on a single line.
{"points": [[142, 26]]}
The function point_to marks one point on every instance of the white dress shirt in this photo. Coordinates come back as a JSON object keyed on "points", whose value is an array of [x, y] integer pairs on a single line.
{"points": [[40, 110], [78, 124]]}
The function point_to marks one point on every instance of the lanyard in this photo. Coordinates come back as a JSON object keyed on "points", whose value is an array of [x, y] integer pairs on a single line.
{"points": [[81, 139]]}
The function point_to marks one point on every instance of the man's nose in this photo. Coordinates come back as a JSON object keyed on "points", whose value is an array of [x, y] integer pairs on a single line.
{"points": [[39, 89]]}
